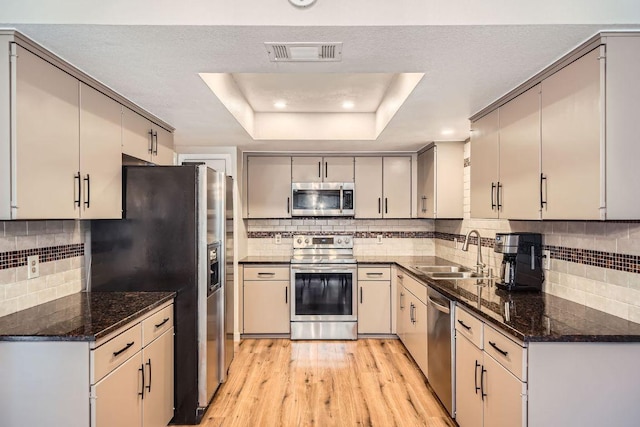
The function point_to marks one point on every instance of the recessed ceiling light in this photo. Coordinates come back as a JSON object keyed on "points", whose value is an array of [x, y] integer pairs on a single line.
{"points": [[447, 132], [348, 105], [280, 104]]}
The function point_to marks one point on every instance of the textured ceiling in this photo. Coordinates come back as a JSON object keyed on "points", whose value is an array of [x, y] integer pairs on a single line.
{"points": [[466, 67]]}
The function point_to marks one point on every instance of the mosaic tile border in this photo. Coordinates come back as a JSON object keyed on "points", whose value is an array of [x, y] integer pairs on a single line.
{"points": [[15, 259], [609, 260]]}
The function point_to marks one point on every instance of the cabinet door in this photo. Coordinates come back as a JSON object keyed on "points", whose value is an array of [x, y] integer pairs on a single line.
{"points": [[100, 155], [571, 119], [163, 148], [157, 409], [396, 187], [117, 399], [426, 183], [420, 336], [368, 185], [338, 169], [484, 166], [374, 307], [266, 307], [268, 187], [47, 140], [469, 411], [307, 169], [136, 135], [504, 404], [519, 192]]}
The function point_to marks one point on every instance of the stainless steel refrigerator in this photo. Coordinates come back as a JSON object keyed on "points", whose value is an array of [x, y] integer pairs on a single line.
{"points": [[177, 235]]}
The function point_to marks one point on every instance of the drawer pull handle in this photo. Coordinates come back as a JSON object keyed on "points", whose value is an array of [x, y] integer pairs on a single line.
{"points": [[125, 348], [502, 352], [163, 322], [468, 328], [399, 276], [374, 274], [267, 274]]}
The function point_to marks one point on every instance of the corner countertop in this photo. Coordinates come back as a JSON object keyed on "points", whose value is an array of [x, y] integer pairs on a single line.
{"points": [[527, 316], [85, 316]]}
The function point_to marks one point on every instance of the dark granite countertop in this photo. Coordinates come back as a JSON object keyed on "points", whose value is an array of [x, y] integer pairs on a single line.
{"points": [[85, 316], [532, 316]]}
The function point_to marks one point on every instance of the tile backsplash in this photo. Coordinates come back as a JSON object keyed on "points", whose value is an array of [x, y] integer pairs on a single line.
{"points": [[60, 247]]}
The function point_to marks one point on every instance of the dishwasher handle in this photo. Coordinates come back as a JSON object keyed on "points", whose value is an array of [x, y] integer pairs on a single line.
{"points": [[439, 307]]}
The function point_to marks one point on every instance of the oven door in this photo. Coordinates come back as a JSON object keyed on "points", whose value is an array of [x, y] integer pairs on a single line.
{"points": [[323, 293]]}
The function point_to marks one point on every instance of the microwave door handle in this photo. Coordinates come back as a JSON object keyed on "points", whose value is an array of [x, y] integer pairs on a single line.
{"points": [[341, 199]]}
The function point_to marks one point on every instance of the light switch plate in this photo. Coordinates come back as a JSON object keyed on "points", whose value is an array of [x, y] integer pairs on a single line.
{"points": [[278, 239], [546, 260], [33, 266]]}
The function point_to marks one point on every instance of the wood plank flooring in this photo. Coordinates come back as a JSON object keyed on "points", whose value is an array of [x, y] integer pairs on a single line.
{"points": [[369, 382]]}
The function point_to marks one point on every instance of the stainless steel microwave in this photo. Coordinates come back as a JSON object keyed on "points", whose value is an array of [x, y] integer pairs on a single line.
{"points": [[322, 199]]}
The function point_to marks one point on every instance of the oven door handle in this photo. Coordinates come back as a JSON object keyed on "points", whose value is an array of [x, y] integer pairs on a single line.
{"points": [[324, 269]]}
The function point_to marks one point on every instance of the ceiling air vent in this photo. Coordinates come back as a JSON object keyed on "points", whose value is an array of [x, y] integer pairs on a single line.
{"points": [[304, 52]]}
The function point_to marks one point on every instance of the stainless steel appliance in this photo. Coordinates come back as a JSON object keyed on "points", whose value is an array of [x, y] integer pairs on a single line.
{"points": [[521, 267], [323, 288], [441, 349], [176, 229], [322, 199]]}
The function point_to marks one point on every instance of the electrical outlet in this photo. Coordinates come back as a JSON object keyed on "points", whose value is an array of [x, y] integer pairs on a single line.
{"points": [[379, 237], [455, 243], [546, 260], [278, 239], [33, 266]]}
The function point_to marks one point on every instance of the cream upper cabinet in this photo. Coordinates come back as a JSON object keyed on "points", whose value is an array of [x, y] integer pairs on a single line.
{"points": [[46, 181], [268, 190], [145, 140], [322, 169], [484, 166], [519, 181], [368, 193], [440, 180], [383, 187], [571, 140], [100, 155]]}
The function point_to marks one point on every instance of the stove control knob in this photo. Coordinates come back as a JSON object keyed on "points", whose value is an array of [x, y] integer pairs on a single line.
{"points": [[306, 240], [346, 240], [299, 240], [339, 241]]}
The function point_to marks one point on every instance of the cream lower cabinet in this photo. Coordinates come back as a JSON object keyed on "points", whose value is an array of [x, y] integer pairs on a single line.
{"points": [[374, 300], [268, 187], [488, 392], [411, 322], [266, 306]]}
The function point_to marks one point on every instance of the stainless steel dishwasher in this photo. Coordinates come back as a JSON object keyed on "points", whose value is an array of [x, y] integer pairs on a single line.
{"points": [[440, 346]]}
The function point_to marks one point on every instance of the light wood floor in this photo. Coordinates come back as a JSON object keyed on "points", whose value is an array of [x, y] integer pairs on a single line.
{"points": [[369, 382]]}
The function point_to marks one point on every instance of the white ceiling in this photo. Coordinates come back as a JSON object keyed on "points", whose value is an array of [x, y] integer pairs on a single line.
{"points": [[313, 92], [151, 51]]}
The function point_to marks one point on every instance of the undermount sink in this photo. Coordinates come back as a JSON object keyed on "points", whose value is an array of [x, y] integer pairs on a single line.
{"points": [[430, 269], [456, 275]]}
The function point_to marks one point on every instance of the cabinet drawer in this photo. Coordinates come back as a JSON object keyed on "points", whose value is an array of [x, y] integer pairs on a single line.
{"points": [[508, 353], [157, 324], [374, 273], [469, 326], [266, 273], [415, 287], [114, 352]]}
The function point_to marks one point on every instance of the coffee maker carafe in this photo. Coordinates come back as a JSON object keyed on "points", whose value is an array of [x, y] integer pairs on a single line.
{"points": [[521, 262]]}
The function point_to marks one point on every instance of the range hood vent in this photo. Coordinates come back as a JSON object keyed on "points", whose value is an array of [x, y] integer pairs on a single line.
{"points": [[304, 52]]}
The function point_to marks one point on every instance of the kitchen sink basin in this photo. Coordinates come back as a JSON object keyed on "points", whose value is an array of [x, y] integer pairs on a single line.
{"points": [[455, 275], [431, 269]]}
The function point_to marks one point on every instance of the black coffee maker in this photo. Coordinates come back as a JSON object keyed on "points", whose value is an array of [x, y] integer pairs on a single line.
{"points": [[522, 261]]}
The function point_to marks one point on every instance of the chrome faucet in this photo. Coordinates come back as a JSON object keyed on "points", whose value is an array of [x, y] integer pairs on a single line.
{"points": [[465, 247]]}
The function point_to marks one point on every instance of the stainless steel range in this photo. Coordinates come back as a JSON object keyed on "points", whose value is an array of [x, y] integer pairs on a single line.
{"points": [[323, 284]]}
